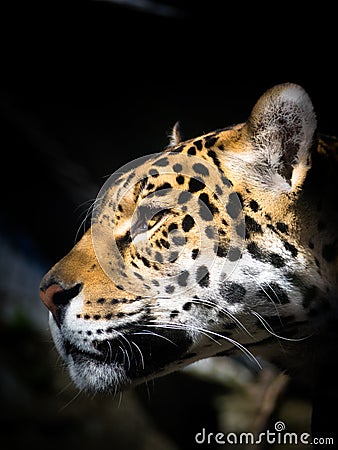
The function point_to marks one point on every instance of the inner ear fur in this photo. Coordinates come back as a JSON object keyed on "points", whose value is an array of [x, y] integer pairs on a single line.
{"points": [[281, 130]]}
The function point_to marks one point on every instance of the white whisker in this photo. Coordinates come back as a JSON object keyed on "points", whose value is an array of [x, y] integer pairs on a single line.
{"points": [[145, 332], [209, 334], [268, 328], [140, 352]]}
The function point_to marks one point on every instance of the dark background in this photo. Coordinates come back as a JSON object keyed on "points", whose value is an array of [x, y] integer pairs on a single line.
{"points": [[86, 87]]}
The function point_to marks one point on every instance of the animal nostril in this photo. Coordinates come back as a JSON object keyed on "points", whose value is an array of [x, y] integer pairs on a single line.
{"points": [[63, 297], [55, 297]]}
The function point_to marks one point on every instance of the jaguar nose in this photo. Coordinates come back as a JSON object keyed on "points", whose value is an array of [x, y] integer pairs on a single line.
{"points": [[57, 298]]}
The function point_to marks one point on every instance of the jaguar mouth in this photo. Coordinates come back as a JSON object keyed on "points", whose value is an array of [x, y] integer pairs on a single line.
{"points": [[116, 362]]}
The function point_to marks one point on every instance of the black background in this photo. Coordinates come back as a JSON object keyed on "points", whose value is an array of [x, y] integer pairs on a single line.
{"points": [[101, 84]]}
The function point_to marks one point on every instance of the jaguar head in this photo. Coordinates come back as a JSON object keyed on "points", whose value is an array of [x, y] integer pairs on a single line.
{"points": [[190, 252]]}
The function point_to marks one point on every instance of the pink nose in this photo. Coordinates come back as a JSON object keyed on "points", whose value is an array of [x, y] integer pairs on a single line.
{"points": [[56, 298]]}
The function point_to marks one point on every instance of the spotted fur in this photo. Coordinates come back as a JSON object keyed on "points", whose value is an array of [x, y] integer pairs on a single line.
{"points": [[220, 244]]}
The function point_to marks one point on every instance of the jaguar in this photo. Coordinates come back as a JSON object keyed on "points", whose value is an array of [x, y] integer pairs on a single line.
{"points": [[223, 244]]}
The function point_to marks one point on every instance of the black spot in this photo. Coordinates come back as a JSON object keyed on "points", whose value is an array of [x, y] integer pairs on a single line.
{"points": [[108, 316], [221, 251], [201, 169], [191, 150], [180, 179], [234, 206], [234, 254], [120, 315], [275, 293], [276, 260], [172, 227], [214, 157], [101, 301], [255, 251], [97, 317], [187, 223], [160, 190], [179, 148], [177, 168], [311, 245], [183, 278], [154, 173], [165, 243], [194, 253], [226, 182], [173, 256], [179, 240], [195, 185], [209, 231], [329, 252], [174, 314], [130, 177], [267, 216], [198, 144], [291, 248], [150, 186], [254, 205], [169, 289], [240, 229], [145, 261], [205, 199], [210, 141], [282, 227], [162, 162], [159, 257], [203, 276], [114, 301], [205, 213], [187, 306], [219, 191], [184, 197], [233, 292], [252, 226], [157, 243], [142, 183]]}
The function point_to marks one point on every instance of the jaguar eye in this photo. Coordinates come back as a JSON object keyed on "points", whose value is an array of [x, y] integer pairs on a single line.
{"points": [[147, 218]]}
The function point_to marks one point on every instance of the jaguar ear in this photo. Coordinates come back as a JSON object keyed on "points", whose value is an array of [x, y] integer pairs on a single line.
{"points": [[280, 129], [176, 136]]}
